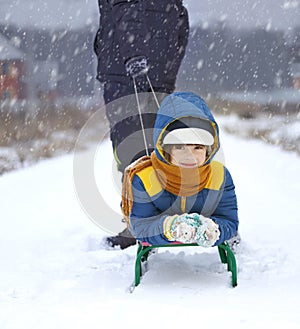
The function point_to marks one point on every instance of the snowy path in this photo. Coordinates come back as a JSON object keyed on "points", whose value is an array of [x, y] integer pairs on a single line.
{"points": [[54, 273]]}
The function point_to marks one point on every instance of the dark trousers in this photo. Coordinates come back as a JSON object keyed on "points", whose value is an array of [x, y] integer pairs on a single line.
{"points": [[126, 131]]}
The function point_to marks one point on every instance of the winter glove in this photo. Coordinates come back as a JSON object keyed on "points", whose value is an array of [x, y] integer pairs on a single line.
{"points": [[182, 228], [192, 228], [137, 66], [208, 232]]}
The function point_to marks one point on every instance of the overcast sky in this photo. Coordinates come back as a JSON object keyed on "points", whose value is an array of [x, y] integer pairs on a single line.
{"points": [[282, 14], [271, 14]]}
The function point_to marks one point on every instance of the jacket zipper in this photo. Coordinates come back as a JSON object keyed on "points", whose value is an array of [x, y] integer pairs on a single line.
{"points": [[183, 204]]}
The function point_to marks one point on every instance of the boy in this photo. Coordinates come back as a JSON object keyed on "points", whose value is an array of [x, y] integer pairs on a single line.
{"points": [[180, 193]]}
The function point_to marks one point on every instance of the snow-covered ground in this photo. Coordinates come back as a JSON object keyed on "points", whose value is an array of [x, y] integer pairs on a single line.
{"points": [[56, 274], [282, 130]]}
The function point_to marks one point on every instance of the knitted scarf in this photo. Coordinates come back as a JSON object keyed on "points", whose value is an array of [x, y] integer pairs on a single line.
{"points": [[130, 171], [176, 180]]}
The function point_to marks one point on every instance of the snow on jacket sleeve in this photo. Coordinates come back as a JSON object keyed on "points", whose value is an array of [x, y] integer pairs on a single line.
{"points": [[145, 219], [131, 29], [225, 214]]}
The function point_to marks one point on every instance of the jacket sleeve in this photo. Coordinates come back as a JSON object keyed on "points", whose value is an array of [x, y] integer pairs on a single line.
{"points": [[131, 29], [226, 213], [146, 221]]}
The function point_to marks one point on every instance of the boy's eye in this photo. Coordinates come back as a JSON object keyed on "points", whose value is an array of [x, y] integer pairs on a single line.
{"points": [[199, 147], [178, 147]]}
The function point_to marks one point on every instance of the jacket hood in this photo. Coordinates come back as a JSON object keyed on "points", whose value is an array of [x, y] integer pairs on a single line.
{"points": [[181, 105]]}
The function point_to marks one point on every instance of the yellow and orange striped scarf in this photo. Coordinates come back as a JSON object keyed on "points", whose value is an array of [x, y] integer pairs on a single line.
{"points": [[176, 180]]}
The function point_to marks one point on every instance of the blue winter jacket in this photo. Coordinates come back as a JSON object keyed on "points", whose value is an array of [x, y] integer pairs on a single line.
{"points": [[151, 203]]}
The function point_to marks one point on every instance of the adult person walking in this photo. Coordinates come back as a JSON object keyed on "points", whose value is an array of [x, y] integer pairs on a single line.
{"points": [[137, 40]]}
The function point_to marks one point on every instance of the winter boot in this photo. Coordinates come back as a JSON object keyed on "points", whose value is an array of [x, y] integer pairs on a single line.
{"points": [[234, 242], [124, 239]]}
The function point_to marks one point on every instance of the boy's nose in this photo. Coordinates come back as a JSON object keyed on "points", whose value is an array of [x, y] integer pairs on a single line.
{"points": [[189, 156], [188, 152]]}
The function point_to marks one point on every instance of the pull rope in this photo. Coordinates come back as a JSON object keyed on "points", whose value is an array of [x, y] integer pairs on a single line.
{"points": [[151, 87], [140, 111], [140, 115]]}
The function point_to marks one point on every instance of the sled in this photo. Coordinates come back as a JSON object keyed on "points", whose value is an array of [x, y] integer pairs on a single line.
{"points": [[144, 249]]}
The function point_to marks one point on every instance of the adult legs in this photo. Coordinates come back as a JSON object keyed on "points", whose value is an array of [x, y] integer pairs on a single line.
{"points": [[126, 132]]}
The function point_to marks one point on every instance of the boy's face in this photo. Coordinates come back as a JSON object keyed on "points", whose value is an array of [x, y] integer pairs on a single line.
{"points": [[188, 156]]}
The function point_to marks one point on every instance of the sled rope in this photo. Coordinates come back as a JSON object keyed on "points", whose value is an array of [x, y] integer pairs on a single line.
{"points": [[140, 115], [152, 90], [140, 111]]}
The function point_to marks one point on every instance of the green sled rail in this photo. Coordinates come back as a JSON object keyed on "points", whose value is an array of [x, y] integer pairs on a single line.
{"points": [[225, 253]]}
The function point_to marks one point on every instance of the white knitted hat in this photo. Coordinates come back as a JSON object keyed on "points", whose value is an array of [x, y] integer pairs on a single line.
{"points": [[189, 136]]}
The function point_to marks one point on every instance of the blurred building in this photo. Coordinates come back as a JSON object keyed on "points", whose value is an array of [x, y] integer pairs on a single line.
{"points": [[62, 58], [12, 69], [46, 77]]}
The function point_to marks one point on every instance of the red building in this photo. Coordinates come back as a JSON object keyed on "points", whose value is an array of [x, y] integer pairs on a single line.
{"points": [[12, 70]]}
